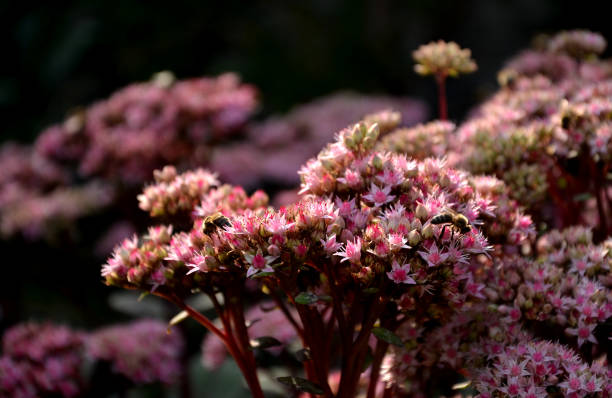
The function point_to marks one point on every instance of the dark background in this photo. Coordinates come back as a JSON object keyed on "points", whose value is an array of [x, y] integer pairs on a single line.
{"points": [[57, 55]]}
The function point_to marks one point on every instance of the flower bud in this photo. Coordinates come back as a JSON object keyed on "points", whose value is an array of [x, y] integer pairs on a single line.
{"points": [[414, 238], [273, 250], [377, 163], [427, 232], [371, 136], [421, 212]]}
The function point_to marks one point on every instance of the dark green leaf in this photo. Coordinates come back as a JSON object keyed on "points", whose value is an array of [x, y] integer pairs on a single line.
{"points": [[265, 342], [262, 274], [387, 336], [301, 384], [326, 298], [306, 298], [303, 355], [371, 290], [581, 197]]}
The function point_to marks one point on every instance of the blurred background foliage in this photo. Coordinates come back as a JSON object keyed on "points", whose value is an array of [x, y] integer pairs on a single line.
{"points": [[58, 55], [61, 54]]}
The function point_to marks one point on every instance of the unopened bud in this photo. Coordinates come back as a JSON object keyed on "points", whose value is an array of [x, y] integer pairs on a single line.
{"points": [[421, 212], [371, 136], [414, 238], [427, 232], [377, 162]]}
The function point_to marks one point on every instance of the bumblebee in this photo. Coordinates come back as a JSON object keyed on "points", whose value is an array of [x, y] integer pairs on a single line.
{"points": [[456, 220], [214, 221]]}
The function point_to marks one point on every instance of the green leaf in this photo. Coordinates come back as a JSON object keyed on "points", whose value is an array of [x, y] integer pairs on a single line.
{"points": [[301, 384], [306, 298], [388, 336], [371, 290], [178, 318], [262, 274], [303, 355], [581, 197], [326, 298], [126, 302], [142, 296], [265, 342]]}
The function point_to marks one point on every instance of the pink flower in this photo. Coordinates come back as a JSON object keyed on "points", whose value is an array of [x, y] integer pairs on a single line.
{"points": [[400, 273], [513, 388], [330, 245], [391, 177], [352, 178], [397, 242], [583, 332], [259, 263], [277, 225], [580, 265], [199, 262], [352, 252], [379, 196], [433, 256], [572, 384]]}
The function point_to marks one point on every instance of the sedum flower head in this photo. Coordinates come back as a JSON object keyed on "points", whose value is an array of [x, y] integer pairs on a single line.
{"points": [[421, 141], [143, 351], [364, 212], [41, 360], [443, 59], [578, 43], [174, 193]]}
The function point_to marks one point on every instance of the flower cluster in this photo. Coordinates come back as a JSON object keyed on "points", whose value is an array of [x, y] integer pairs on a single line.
{"points": [[174, 193], [148, 125], [45, 360], [566, 287], [41, 360], [534, 369], [143, 351], [276, 147], [103, 152], [550, 142], [34, 215], [420, 142], [443, 59], [364, 226], [579, 44], [163, 259]]}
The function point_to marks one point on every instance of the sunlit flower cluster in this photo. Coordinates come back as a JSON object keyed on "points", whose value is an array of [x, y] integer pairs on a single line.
{"points": [[550, 142], [420, 142], [364, 224], [443, 58], [174, 193]]}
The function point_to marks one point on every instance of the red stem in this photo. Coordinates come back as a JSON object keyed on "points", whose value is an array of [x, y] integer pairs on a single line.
{"points": [[597, 191], [442, 106], [249, 373], [379, 354], [351, 368]]}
